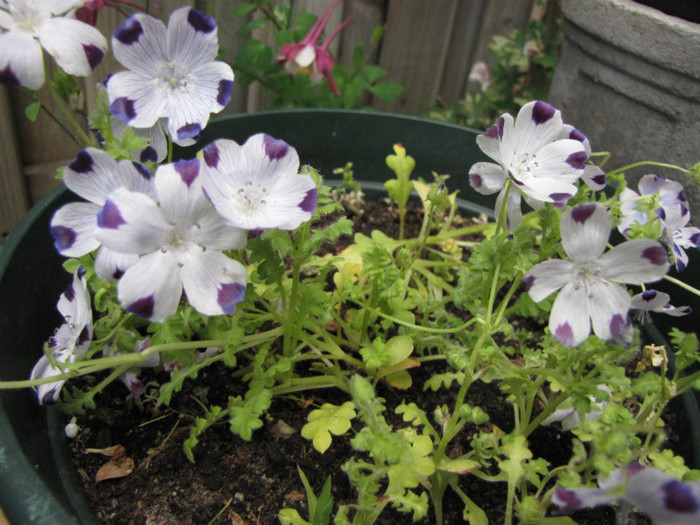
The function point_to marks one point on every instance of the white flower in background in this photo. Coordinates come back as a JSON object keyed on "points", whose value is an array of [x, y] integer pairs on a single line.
{"points": [[480, 73], [666, 500], [678, 234], [70, 341], [30, 25], [666, 194], [568, 418], [590, 292], [130, 378], [655, 301], [532, 160], [258, 185], [93, 175], [180, 243], [172, 73]]}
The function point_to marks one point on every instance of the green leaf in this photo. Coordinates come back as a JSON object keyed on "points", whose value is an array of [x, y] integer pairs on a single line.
{"points": [[387, 90], [32, 110], [374, 73], [242, 9], [326, 420]]}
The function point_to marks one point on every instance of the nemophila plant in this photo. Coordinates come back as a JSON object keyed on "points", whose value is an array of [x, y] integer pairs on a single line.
{"points": [[227, 259]]}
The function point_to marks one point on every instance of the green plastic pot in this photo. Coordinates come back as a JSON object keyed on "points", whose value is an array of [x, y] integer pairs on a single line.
{"points": [[37, 482]]}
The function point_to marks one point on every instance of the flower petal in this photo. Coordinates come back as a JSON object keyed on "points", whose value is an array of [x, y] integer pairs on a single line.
{"points": [[152, 286], [546, 278], [218, 233], [584, 231], [608, 307], [94, 174], [486, 177], [48, 393], [73, 227], [569, 321], [514, 215], [111, 265], [21, 60], [192, 37], [179, 188], [213, 282], [135, 100], [634, 262], [141, 44], [77, 47], [131, 222]]}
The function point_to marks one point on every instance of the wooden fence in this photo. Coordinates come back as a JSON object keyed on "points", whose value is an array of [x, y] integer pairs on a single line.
{"points": [[428, 47]]}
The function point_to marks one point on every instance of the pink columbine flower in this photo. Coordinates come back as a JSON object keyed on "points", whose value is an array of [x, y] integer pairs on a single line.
{"points": [[70, 341], [258, 186], [88, 13], [93, 175], [180, 240], [665, 499], [172, 73], [30, 25], [589, 282], [532, 160], [308, 57]]}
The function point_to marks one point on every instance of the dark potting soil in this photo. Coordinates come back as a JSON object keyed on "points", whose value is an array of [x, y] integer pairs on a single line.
{"points": [[240, 482]]}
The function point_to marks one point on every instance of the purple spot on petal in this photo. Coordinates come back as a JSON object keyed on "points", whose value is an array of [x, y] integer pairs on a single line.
{"points": [[64, 237], [528, 281], [600, 180], [275, 149], [499, 126], [655, 255], [568, 497], [123, 108], [143, 307], [649, 295], [695, 239], [110, 216], [118, 273], [94, 55], [143, 170], [211, 155], [634, 468], [69, 293], [137, 388], [492, 132], [308, 203], [577, 135], [564, 334], [542, 112], [661, 214], [516, 181], [618, 325], [130, 32], [230, 294], [8, 78], [223, 97], [83, 162], [582, 213], [577, 160], [475, 180], [49, 397], [148, 154], [560, 199], [201, 22], [188, 170], [84, 336], [81, 271], [189, 131], [679, 497]]}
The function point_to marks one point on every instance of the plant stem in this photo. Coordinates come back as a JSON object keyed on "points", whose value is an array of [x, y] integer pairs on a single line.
{"points": [[77, 128]]}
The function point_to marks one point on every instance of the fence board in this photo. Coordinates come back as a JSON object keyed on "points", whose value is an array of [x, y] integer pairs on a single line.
{"points": [[414, 50], [13, 193]]}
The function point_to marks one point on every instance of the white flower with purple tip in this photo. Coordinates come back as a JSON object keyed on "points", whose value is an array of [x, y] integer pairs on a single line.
{"points": [[172, 73], [590, 293], [70, 341], [30, 25], [660, 195], [93, 175], [679, 236], [258, 185], [655, 301], [532, 160], [130, 378], [666, 500], [180, 240]]}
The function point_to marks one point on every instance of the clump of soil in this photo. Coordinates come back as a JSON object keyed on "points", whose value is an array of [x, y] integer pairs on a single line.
{"points": [[238, 482]]}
